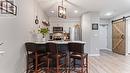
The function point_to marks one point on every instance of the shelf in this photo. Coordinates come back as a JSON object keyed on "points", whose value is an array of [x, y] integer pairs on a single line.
{"points": [[46, 23]]}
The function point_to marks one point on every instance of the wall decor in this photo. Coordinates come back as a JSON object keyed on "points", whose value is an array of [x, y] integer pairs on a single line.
{"points": [[95, 26], [36, 20], [46, 23], [7, 7]]}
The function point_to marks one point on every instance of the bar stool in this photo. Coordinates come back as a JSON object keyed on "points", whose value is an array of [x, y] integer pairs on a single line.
{"points": [[59, 59], [76, 52], [43, 59], [30, 57], [35, 58]]}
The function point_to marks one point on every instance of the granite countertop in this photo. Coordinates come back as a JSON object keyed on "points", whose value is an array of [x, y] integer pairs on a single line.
{"points": [[60, 42]]}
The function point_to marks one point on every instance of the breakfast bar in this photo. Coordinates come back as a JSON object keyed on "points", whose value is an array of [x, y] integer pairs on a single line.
{"points": [[61, 45], [60, 42]]}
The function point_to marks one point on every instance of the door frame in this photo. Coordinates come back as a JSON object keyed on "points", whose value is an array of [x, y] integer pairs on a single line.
{"points": [[127, 37]]}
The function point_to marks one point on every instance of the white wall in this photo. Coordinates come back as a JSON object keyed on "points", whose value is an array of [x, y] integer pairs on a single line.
{"points": [[15, 31], [90, 36], [122, 15]]}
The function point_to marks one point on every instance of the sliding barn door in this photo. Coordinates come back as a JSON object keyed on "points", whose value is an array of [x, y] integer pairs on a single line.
{"points": [[118, 36]]}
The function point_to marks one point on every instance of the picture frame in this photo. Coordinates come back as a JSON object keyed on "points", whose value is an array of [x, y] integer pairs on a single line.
{"points": [[7, 7], [3, 7], [95, 26]]}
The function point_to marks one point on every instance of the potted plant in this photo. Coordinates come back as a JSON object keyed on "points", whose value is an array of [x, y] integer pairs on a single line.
{"points": [[44, 31]]}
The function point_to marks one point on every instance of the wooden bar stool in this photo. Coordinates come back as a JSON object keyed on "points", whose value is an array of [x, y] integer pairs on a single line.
{"points": [[59, 59], [38, 58], [76, 52], [30, 57], [43, 59]]}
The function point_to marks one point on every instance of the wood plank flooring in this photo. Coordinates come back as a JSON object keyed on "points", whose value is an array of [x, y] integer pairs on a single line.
{"points": [[109, 62]]}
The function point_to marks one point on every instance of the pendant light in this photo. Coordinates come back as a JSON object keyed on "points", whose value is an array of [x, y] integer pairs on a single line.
{"points": [[36, 20], [36, 16], [62, 11]]}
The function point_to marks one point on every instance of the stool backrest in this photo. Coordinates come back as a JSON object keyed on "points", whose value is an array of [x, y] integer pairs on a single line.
{"points": [[30, 46], [76, 47], [41, 47], [51, 48]]}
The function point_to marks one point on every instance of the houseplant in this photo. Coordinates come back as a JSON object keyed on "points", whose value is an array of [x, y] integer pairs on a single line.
{"points": [[44, 31]]}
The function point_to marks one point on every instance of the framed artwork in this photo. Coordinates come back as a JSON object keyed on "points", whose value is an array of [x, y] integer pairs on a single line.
{"points": [[94, 26], [7, 7], [3, 7]]}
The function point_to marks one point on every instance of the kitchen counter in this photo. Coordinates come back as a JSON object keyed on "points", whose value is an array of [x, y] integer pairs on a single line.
{"points": [[60, 42]]}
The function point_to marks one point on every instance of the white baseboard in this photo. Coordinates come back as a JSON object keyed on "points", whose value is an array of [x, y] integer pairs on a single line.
{"points": [[93, 54], [106, 49], [109, 49], [103, 48]]}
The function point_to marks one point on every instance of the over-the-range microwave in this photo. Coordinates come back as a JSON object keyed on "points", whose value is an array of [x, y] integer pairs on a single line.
{"points": [[57, 29]]}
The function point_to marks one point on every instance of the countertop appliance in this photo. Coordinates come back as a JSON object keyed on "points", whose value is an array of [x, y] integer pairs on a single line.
{"points": [[57, 29]]}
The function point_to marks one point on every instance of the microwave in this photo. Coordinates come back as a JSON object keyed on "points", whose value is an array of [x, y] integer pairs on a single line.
{"points": [[58, 29]]}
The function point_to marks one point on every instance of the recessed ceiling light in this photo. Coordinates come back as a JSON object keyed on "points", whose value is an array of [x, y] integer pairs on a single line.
{"points": [[75, 11], [108, 14], [52, 11]]}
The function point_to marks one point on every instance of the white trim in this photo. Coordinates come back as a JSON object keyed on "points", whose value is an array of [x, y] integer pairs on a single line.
{"points": [[103, 48], [126, 54], [93, 54], [109, 49], [106, 49], [24, 71]]}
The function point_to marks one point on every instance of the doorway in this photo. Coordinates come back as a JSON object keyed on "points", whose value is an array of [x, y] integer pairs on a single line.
{"points": [[103, 28]]}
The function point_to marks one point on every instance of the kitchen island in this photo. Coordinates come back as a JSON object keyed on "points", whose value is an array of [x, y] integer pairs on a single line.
{"points": [[62, 45]]}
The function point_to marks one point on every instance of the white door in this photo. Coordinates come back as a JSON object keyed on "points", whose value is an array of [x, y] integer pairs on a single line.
{"points": [[103, 36]]}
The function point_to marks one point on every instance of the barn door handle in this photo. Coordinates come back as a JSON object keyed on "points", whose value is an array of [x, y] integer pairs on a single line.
{"points": [[122, 36]]}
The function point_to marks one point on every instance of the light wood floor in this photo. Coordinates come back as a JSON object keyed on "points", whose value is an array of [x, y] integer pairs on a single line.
{"points": [[109, 62]]}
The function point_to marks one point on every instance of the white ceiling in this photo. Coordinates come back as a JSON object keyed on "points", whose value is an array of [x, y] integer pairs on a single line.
{"points": [[115, 7]]}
